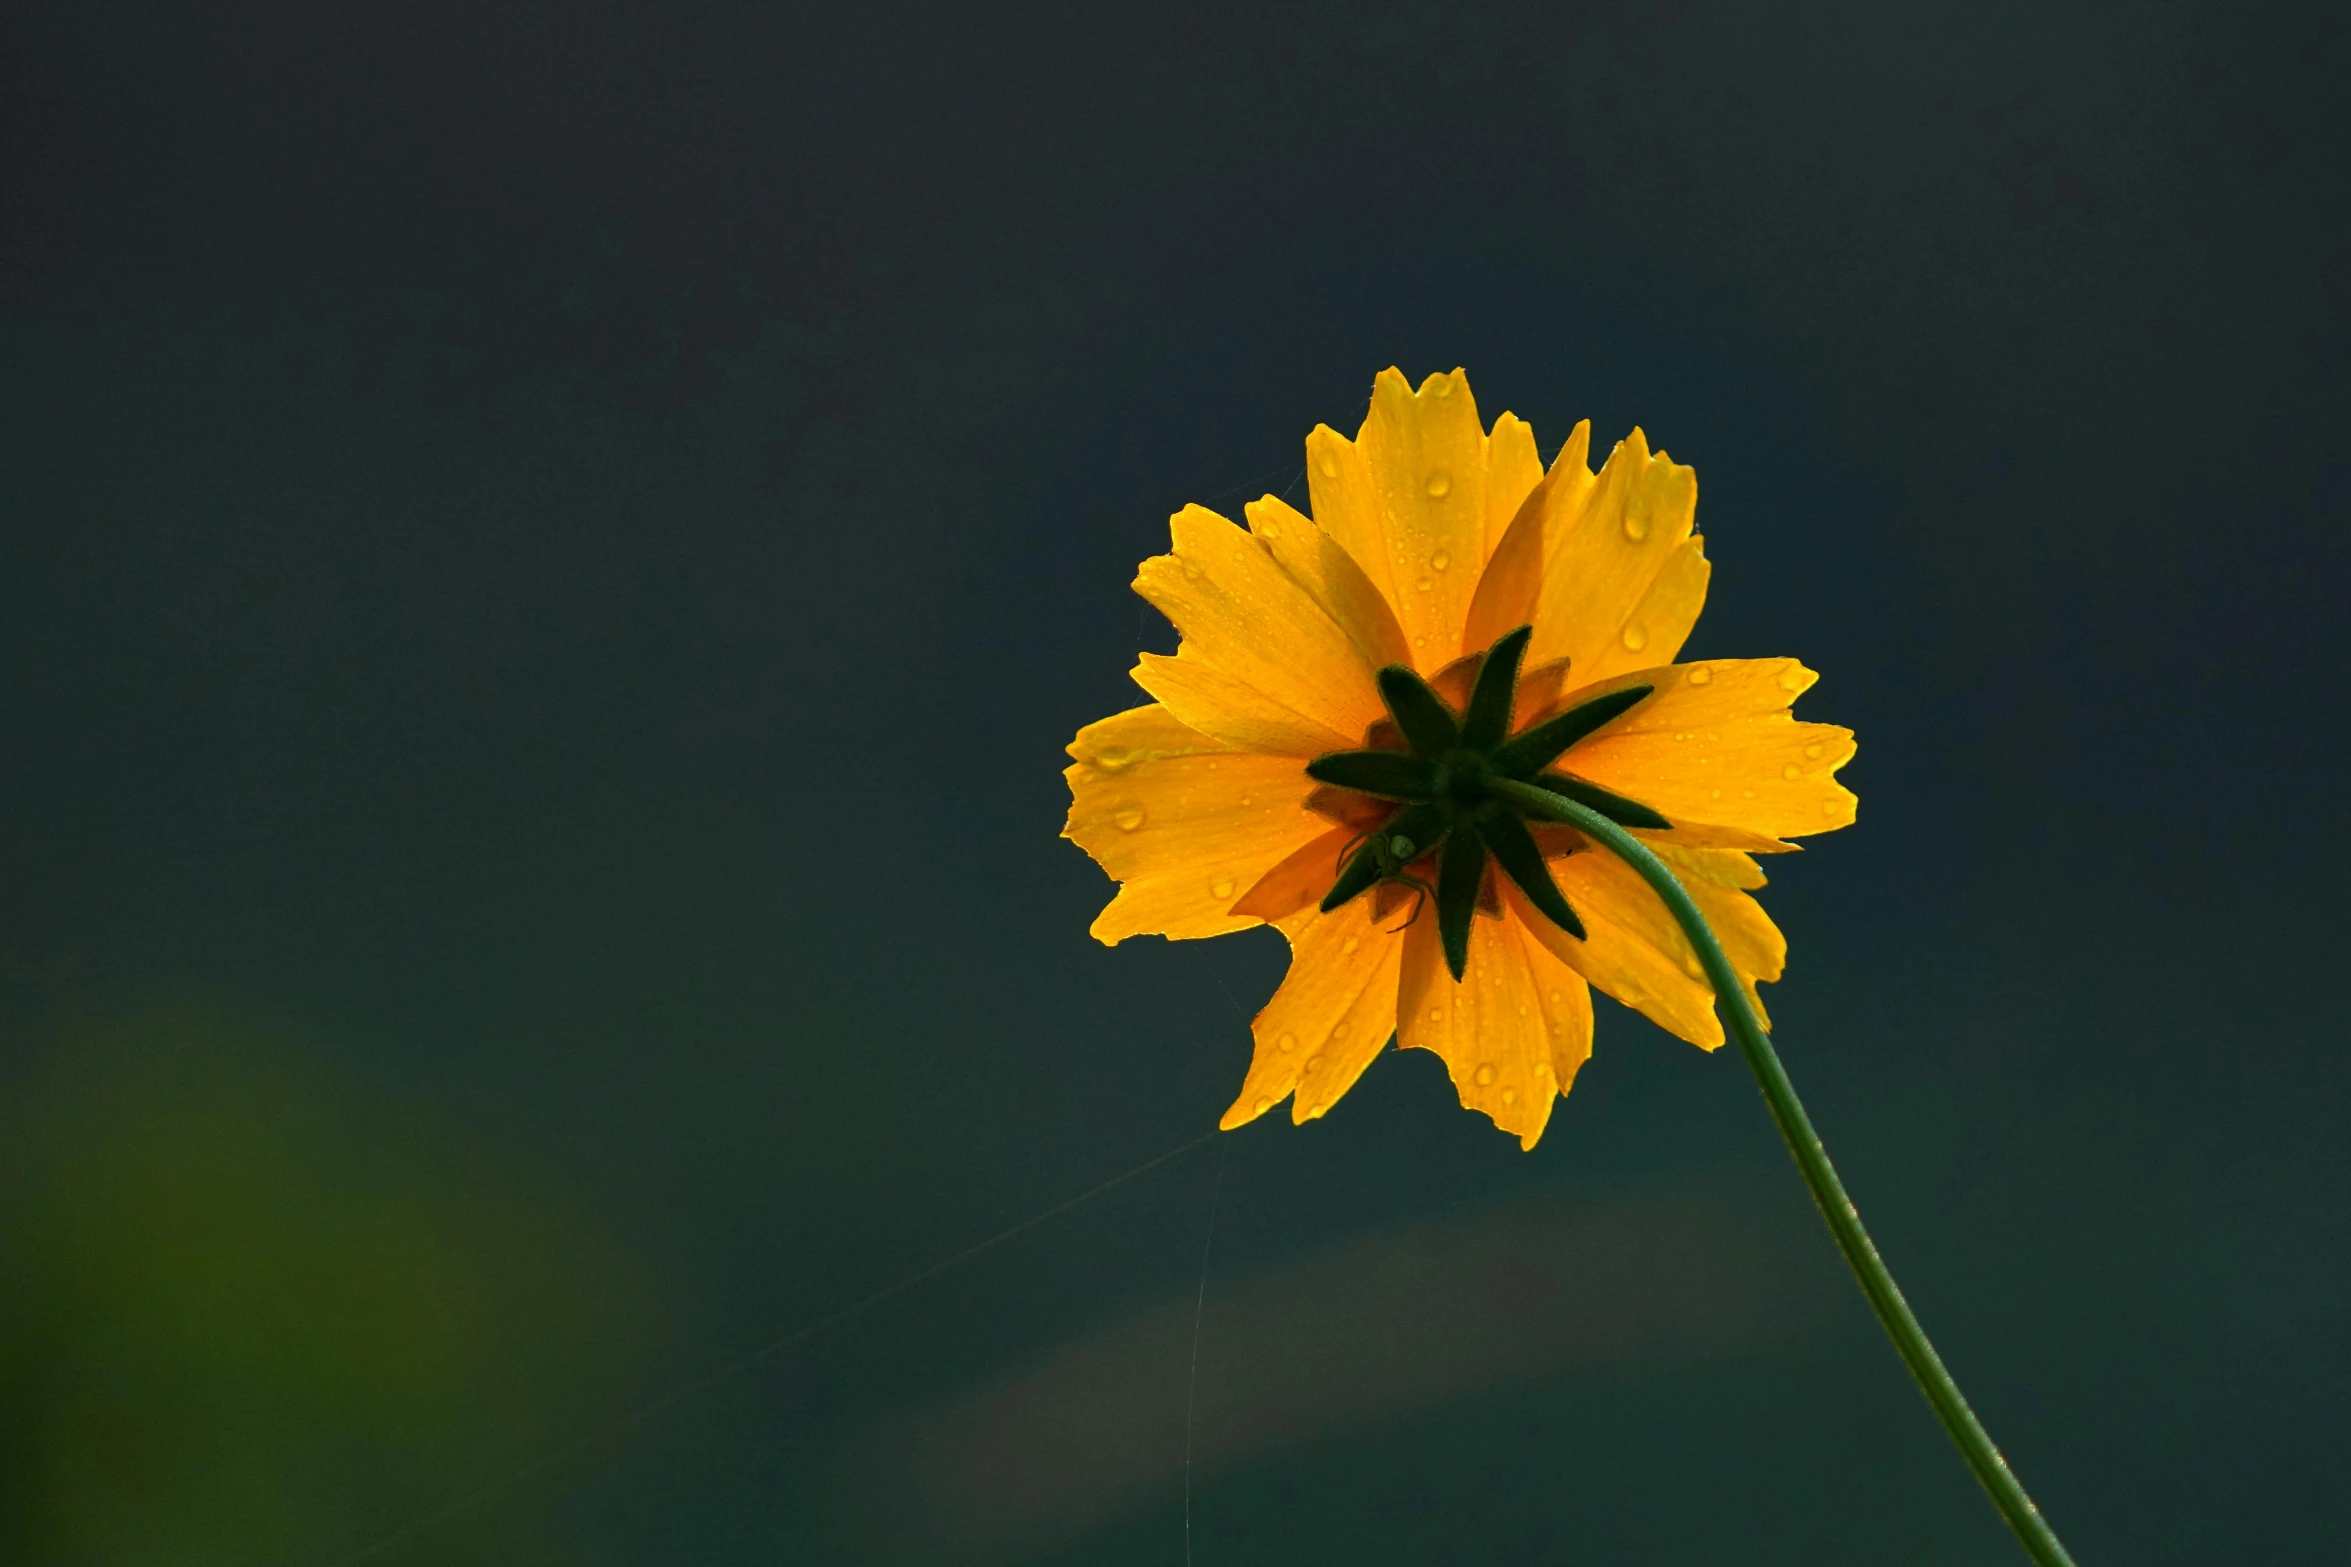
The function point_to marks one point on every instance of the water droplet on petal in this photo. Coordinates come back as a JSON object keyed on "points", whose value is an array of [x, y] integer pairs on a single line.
{"points": [[1557, 998], [1701, 674], [1509, 1096], [1439, 561], [1746, 794], [1115, 761], [1352, 943], [1287, 1043], [1485, 1074], [1268, 530], [1191, 572], [1263, 1105], [1813, 751], [1425, 583], [1441, 385], [1828, 807], [1222, 887], [1440, 483], [1791, 772], [1313, 1062], [1436, 1014], [1635, 638], [1128, 816], [1636, 526], [1793, 680]]}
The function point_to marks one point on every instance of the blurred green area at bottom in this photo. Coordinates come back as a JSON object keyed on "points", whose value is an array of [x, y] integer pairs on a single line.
{"points": [[249, 1315]]}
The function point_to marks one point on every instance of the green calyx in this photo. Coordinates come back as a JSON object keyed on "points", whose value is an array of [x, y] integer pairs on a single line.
{"points": [[1454, 788]]}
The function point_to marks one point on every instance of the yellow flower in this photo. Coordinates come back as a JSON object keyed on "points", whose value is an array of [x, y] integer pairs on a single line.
{"points": [[1314, 754]]}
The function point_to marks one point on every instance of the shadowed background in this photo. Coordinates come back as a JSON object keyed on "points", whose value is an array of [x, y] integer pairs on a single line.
{"points": [[550, 553]]}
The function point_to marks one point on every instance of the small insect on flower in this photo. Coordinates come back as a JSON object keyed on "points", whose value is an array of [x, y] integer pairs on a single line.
{"points": [[1359, 703]]}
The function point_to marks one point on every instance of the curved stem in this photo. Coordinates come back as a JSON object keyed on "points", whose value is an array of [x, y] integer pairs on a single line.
{"points": [[1844, 1221]]}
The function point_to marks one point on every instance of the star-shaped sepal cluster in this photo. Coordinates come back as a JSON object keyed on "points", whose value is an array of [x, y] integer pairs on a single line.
{"points": [[1448, 808]]}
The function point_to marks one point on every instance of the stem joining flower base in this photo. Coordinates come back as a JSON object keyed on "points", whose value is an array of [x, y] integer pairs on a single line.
{"points": [[1844, 1220]]}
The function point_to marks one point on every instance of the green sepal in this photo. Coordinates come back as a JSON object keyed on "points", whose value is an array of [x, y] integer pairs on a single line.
{"points": [[1618, 809], [1459, 873], [1515, 850], [1487, 722], [1422, 714], [1540, 746], [1391, 775]]}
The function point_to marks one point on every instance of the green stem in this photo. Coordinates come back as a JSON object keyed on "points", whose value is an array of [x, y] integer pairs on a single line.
{"points": [[1844, 1220]]}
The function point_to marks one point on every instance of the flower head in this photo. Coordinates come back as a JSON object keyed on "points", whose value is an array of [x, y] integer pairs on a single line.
{"points": [[1329, 749]]}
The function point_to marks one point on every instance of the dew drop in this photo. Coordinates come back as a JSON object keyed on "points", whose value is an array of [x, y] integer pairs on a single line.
{"points": [[1635, 638], [1636, 527], [1420, 641], [1701, 675], [1191, 572], [1436, 1014], [1509, 1096], [1348, 951], [1267, 530], [1485, 1074], [1791, 772], [1425, 583], [1439, 561], [1264, 1105], [1793, 680], [1440, 484], [1222, 887], [1312, 1062], [1128, 816], [1441, 385], [1717, 794], [1115, 761], [1557, 998], [1812, 751], [1746, 794], [1287, 1043], [1681, 734], [1828, 807]]}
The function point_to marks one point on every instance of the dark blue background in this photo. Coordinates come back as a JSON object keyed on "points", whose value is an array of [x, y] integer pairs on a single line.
{"points": [[550, 553]]}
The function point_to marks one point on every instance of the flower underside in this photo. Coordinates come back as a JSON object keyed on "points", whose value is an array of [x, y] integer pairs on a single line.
{"points": [[1448, 810]]}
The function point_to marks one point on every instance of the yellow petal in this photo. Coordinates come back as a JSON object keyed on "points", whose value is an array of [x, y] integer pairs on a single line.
{"points": [[1301, 879], [1333, 1012], [1661, 622], [1511, 1032], [1513, 469], [1205, 698], [1722, 867], [1240, 613], [1409, 499], [1717, 747], [1325, 570], [1185, 824], [1632, 949], [1604, 555], [1512, 583], [1746, 934]]}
